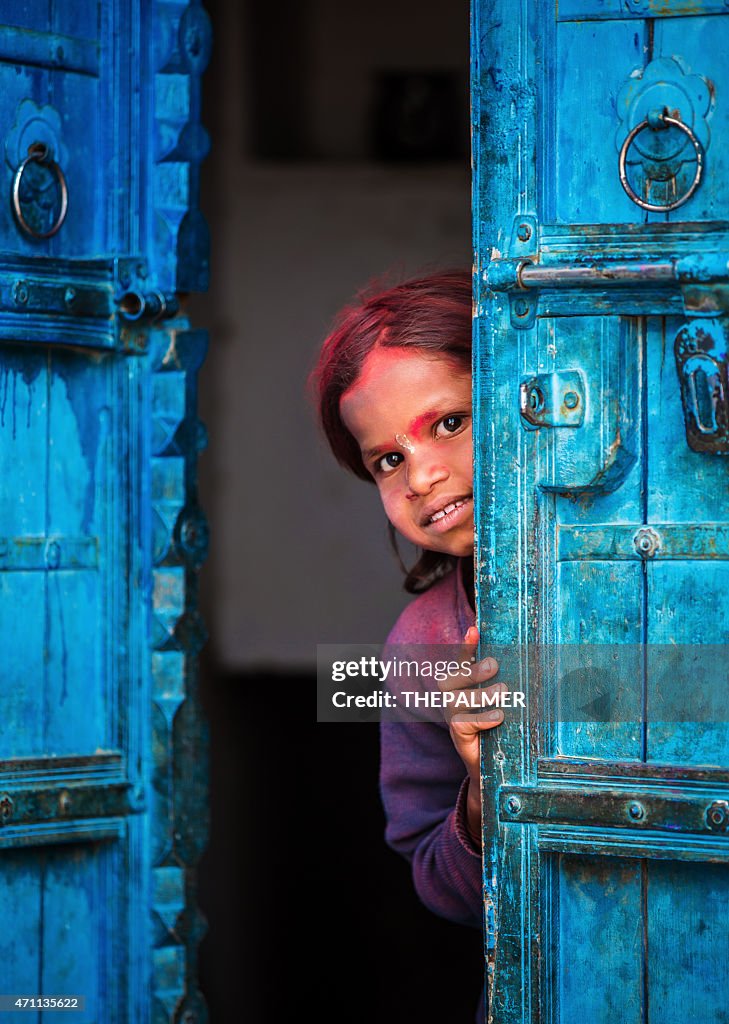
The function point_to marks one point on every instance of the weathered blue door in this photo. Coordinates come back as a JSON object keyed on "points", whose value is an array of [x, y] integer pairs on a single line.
{"points": [[602, 402], [101, 766]]}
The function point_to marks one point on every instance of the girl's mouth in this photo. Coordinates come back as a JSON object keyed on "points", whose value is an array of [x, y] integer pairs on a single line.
{"points": [[450, 514]]}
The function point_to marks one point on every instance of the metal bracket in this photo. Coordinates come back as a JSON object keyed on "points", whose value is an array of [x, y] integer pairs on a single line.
{"points": [[524, 243], [552, 400], [597, 807], [501, 275]]}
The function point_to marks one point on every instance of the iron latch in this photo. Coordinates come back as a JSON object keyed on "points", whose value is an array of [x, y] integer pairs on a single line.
{"points": [[507, 275]]}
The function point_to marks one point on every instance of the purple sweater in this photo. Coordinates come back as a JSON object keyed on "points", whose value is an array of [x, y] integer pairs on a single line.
{"points": [[422, 778]]}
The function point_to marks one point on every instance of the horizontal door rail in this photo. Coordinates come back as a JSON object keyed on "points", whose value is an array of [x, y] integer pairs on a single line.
{"points": [[62, 802], [78, 798], [53, 552], [622, 842], [686, 811], [504, 275]]}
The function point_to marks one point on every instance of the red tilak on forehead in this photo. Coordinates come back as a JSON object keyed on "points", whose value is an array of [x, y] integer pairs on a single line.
{"points": [[421, 421]]}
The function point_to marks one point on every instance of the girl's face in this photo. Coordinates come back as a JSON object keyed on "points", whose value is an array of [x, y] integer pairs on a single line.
{"points": [[410, 413]]}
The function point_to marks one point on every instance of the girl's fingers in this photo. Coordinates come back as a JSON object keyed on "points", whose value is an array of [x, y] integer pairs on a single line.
{"points": [[466, 725], [478, 672], [475, 704], [470, 644], [485, 669], [478, 713]]}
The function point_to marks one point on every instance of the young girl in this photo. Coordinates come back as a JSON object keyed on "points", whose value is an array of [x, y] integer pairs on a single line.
{"points": [[393, 383]]}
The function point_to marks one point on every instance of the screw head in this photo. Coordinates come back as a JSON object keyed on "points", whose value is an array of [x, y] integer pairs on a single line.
{"points": [[521, 307], [636, 811], [571, 400], [523, 232], [513, 805], [646, 542], [717, 816]]}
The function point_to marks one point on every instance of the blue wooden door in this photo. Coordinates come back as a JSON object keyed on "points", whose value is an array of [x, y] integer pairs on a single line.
{"points": [[602, 403], [101, 751]]}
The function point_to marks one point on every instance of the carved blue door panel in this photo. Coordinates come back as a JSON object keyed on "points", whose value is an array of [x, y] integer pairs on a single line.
{"points": [[602, 411], [102, 801]]}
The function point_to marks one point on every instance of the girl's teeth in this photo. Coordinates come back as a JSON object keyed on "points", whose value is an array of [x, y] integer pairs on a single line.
{"points": [[444, 511]]}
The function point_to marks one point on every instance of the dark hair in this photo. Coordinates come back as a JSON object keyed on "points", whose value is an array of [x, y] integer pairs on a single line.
{"points": [[430, 313]]}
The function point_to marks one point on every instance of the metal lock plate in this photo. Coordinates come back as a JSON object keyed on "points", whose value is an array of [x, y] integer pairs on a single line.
{"points": [[703, 370], [552, 400]]}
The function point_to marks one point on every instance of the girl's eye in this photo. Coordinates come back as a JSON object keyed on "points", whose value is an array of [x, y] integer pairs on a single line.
{"points": [[389, 462], [449, 425]]}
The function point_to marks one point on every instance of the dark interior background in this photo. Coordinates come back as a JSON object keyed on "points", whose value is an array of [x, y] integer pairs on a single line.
{"points": [[339, 151]]}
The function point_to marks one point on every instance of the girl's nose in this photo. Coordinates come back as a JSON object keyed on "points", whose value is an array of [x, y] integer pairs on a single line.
{"points": [[423, 473]]}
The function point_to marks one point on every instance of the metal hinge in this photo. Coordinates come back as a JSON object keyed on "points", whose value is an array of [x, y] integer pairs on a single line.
{"points": [[681, 811]]}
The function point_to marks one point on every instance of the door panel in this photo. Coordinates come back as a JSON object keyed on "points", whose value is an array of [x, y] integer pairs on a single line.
{"points": [[578, 176], [56, 893], [593, 715], [590, 887], [58, 438], [32, 72], [701, 42], [680, 933], [600, 202], [687, 934]]}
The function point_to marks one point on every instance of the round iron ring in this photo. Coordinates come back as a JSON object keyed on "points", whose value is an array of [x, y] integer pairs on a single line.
{"points": [[38, 153], [671, 122]]}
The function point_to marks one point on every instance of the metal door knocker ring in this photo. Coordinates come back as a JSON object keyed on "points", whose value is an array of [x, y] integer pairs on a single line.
{"points": [[40, 153], [664, 122]]}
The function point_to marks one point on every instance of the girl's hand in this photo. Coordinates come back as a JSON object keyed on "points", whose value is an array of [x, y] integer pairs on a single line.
{"points": [[465, 728]]}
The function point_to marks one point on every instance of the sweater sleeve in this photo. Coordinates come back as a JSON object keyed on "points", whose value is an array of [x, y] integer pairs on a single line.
{"points": [[423, 781], [423, 786]]}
